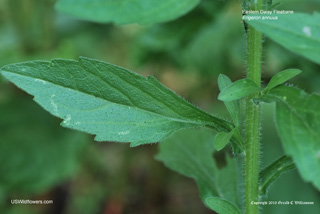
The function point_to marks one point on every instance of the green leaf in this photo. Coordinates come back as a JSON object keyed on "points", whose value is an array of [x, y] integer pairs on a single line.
{"points": [[108, 101], [272, 172], [191, 153], [126, 11], [222, 139], [298, 124], [222, 206], [299, 33], [235, 112], [281, 78], [238, 89], [232, 106]]}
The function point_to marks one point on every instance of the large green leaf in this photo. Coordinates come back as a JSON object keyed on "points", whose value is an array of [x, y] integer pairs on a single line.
{"points": [[35, 153], [126, 11], [191, 154], [108, 101], [297, 32], [298, 124]]}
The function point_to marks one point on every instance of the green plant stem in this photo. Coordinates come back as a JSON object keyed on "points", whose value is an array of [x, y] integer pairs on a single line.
{"points": [[252, 114], [272, 172]]}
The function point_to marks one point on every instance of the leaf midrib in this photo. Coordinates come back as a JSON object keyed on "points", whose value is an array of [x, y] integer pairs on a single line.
{"points": [[176, 97], [140, 109], [144, 92]]}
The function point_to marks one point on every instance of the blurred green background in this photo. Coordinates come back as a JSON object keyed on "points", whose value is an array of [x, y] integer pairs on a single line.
{"points": [[41, 160]]}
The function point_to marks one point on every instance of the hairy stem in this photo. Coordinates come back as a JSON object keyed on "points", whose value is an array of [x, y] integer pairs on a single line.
{"points": [[252, 114]]}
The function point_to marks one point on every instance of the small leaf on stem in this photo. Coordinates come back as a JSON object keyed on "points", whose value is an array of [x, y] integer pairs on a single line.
{"points": [[222, 206], [281, 78], [222, 139], [232, 106], [238, 89]]}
